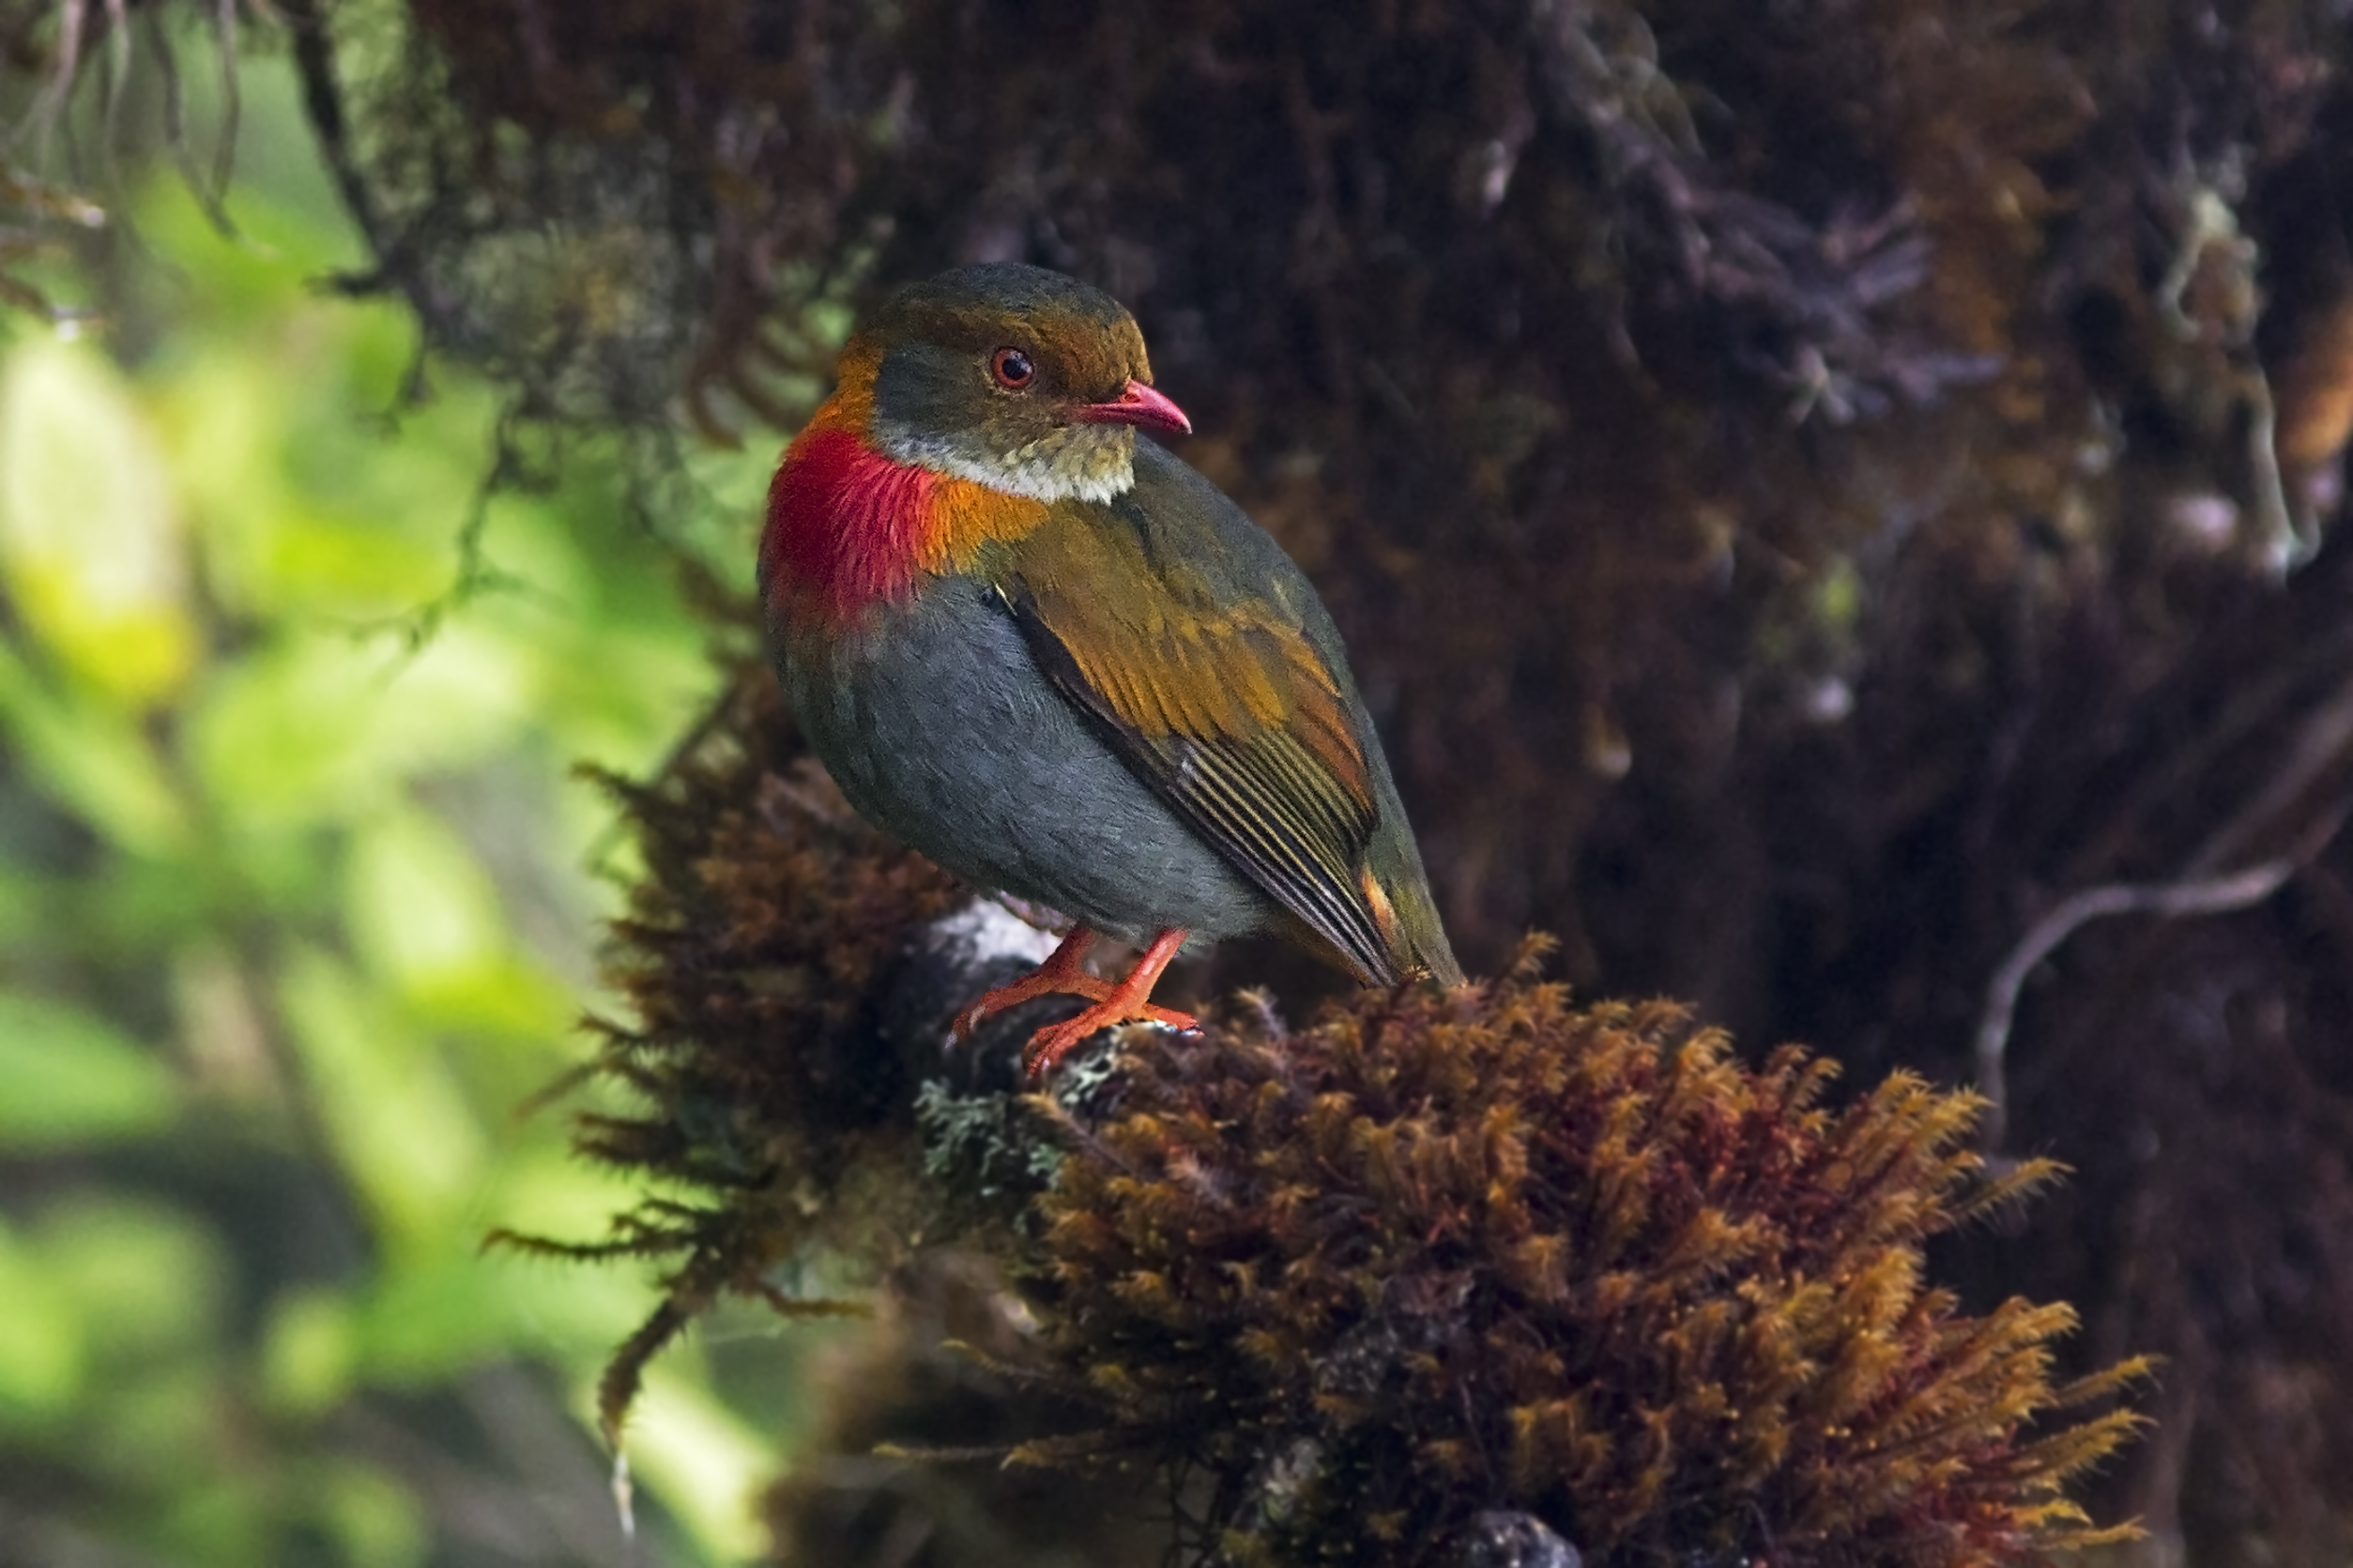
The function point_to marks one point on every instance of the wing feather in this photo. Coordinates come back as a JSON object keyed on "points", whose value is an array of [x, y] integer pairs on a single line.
{"points": [[1225, 710]]}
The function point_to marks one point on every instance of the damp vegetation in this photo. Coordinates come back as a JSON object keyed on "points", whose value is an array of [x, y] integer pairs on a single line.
{"points": [[1836, 509], [1342, 1288], [1438, 1256], [751, 960]]}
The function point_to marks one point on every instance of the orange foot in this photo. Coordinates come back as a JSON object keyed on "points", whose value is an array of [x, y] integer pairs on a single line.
{"points": [[1125, 1002]]}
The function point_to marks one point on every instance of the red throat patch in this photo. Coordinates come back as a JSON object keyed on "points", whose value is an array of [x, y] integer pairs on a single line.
{"points": [[847, 527]]}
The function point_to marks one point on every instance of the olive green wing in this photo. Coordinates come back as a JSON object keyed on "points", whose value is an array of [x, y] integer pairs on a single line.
{"points": [[1196, 667]]}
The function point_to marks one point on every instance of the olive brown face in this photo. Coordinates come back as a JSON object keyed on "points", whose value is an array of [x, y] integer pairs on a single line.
{"points": [[1017, 379]]}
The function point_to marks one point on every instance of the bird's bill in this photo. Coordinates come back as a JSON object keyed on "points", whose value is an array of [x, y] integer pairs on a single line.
{"points": [[1141, 406]]}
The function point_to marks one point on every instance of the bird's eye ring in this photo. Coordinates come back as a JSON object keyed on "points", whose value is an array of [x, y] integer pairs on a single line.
{"points": [[1012, 369]]}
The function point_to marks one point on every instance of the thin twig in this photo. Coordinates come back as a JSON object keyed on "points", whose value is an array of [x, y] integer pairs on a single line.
{"points": [[49, 105], [2323, 741], [2211, 895], [2286, 536], [115, 82], [232, 102], [210, 196], [475, 575], [330, 123]]}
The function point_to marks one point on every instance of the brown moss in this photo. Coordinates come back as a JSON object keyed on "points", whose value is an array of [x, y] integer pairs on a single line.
{"points": [[1437, 1255], [1341, 1289], [752, 959]]}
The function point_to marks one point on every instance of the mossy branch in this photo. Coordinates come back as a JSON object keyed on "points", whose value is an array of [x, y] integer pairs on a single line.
{"points": [[1377, 1287]]}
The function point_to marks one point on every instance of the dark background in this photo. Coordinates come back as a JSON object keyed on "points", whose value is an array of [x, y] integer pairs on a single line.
{"points": [[1809, 487]]}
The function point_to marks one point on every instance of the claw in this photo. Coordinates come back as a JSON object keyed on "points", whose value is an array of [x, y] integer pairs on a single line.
{"points": [[1060, 974], [1127, 1001], [1050, 1044]]}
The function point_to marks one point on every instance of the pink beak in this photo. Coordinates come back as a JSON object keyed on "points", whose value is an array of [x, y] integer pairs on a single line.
{"points": [[1141, 406]]}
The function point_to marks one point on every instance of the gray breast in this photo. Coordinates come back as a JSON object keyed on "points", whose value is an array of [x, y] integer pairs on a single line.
{"points": [[940, 728]]}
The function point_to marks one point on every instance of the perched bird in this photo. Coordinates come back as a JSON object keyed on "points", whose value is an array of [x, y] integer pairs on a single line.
{"points": [[1042, 652]]}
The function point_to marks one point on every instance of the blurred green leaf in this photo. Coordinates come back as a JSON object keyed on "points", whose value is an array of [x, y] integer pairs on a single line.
{"points": [[425, 915], [308, 1352], [44, 1352], [94, 762], [218, 1523], [434, 1317], [374, 1518], [339, 863], [402, 1128], [319, 728], [147, 1278], [73, 1079], [90, 535], [704, 1457], [419, 907]]}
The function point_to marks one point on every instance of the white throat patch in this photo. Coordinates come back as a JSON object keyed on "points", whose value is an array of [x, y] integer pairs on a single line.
{"points": [[1072, 463]]}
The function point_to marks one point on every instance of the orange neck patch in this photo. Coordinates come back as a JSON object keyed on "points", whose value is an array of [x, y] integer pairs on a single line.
{"points": [[849, 527]]}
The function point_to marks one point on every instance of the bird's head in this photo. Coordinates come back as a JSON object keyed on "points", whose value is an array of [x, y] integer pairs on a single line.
{"points": [[1018, 378]]}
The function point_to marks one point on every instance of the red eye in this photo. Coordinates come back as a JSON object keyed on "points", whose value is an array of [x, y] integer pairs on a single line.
{"points": [[1012, 368]]}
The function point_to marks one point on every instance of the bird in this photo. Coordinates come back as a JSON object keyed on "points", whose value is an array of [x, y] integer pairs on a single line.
{"points": [[1036, 647]]}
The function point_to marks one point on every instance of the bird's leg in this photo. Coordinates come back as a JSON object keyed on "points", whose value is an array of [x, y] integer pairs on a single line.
{"points": [[1127, 1001], [1060, 974]]}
